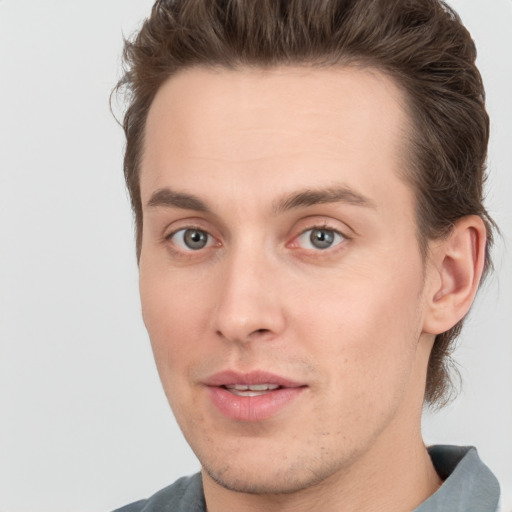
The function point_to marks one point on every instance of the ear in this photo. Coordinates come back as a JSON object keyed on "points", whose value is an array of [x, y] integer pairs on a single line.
{"points": [[454, 270]]}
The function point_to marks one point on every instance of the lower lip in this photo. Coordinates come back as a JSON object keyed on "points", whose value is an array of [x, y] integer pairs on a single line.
{"points": [[252, 408]]}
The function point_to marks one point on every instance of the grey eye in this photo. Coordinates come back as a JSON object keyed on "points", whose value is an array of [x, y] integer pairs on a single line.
{"points": [[195, 239], [191, 239], [320, 238]]}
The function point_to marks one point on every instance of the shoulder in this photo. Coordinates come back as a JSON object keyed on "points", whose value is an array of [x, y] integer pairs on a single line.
{"points": [[186, 494]]}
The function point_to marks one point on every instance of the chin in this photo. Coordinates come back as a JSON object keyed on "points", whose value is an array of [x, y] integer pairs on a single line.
{"points": [[269, 480]]}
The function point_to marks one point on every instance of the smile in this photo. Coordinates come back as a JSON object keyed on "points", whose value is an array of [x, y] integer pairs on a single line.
{"points": [[251, 397]]}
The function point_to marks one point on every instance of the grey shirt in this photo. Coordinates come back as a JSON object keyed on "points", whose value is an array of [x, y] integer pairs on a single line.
{"points": [[469, 486]]}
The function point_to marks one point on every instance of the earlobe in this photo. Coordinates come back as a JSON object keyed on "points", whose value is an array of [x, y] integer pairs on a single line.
{"points": [[456, 265]]}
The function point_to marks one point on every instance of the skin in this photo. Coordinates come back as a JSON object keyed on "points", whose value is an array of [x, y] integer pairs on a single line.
{"points": [[353, 323]]}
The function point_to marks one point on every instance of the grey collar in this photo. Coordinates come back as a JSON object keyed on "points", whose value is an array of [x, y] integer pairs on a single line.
{"points": [[469, 485]]}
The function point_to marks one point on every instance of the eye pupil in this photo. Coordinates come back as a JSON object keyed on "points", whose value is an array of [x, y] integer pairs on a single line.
{"points": [[322, 238], [195, 238]]}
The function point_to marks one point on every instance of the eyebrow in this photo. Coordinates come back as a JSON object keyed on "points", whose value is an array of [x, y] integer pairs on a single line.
{"points": [[171, 199], [311, 197]]}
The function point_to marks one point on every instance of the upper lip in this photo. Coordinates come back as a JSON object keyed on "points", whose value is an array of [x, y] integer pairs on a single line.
{"points": [[231, 377]]}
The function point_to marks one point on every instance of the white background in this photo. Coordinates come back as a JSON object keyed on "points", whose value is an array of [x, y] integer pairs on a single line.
{"points": [[84, 424]]}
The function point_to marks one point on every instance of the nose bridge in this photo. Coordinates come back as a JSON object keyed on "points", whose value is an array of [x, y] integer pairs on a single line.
{"points": [[248, 304]]}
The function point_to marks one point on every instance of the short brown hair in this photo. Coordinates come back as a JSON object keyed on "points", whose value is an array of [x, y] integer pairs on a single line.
{"points": [[421, 44]]}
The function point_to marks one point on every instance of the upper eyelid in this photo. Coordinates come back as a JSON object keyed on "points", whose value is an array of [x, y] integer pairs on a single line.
{"points": [[173, 221], [185, 228], [322, 221], [327, 227], [337, 231], [184, 224]]}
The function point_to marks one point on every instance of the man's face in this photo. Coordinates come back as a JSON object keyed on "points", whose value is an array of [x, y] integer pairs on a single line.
{"points": [[281, 280]]}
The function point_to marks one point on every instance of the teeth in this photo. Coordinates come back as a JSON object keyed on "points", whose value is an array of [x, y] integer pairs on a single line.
{"points": [[252, 387], [263, 387], [250, 390]]}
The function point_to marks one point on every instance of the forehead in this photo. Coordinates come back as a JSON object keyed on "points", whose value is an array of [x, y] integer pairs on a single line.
{"points": [[275, 129]]}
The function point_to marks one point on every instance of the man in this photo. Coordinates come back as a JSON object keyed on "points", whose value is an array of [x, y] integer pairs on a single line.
{"points": [[307, 184]]}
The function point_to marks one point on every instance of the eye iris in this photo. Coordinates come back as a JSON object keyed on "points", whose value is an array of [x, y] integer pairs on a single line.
{"points": [[195, 239], [321, 238]]}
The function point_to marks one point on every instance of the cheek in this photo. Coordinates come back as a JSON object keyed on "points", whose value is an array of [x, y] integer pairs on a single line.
{"points": [[174, 313], [367, 362], [365, 330]]}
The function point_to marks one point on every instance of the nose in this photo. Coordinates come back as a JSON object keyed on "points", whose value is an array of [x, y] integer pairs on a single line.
{"points": [[249, 305]]}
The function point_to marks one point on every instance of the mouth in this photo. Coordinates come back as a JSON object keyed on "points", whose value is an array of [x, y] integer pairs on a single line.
{"points": [[252, 397]]}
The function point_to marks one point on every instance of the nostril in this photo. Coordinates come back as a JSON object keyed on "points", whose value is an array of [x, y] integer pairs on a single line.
{"points": [[257, 333]]}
